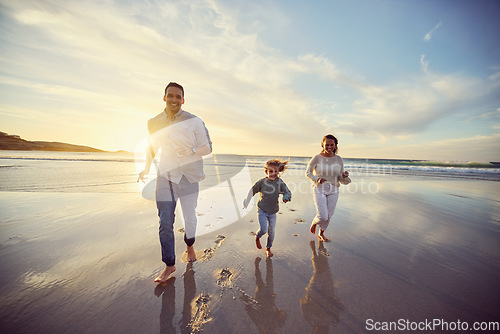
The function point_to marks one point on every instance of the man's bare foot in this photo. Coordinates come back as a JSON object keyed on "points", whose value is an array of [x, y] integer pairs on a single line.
{"points": [[164, 275], [313, 228], [191, 254], [321, 236], [257, 243], [269, 253]]}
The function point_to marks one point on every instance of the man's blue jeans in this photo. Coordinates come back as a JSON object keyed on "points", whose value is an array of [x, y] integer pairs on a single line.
{"points": [[267, 222], [167, 194]]}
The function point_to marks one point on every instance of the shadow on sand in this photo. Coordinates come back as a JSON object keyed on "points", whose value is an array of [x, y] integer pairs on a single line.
{"points": [[262, 309], [320, 307]]}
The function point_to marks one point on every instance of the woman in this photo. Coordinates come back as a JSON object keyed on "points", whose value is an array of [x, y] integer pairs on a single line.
{"points": [[326, 171]]}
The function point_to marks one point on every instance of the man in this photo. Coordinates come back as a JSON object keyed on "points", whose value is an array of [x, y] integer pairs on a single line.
{"points": [[183, 140]]}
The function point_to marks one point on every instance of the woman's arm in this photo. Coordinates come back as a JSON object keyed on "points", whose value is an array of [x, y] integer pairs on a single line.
{"points": [[310, 168], [344, 175]]}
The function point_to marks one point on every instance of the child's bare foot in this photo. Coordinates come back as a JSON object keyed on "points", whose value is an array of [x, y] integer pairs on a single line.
{"points": [[191, 254], [269, 253], [164, 275], [313, 228], [257, 243], [321, 236]]}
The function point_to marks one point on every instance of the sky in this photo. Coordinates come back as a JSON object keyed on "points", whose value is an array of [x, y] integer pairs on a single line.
{"points": [[393, 79]]}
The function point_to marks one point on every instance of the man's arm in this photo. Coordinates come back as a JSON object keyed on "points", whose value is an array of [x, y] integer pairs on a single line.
{"points": [[150, 155], [196, 150], [203, 150], [203, 140]]}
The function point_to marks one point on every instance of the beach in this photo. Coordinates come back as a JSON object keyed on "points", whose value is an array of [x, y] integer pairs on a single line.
{"points": [[406, 250]]}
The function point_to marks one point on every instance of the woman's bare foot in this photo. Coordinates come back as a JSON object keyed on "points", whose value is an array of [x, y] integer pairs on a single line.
{"points": [[257, 243], [191, 254], [321, 236], [313, 228], [165, 274], [269, 253]]}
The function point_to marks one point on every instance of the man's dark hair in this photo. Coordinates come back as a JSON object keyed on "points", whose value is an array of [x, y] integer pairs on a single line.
{"points": [[175, 84]]}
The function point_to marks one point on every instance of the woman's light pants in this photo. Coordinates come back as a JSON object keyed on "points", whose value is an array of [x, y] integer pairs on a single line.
{"points": [[326, 196]]}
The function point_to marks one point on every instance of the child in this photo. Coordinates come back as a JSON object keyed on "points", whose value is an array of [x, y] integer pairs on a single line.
{"points": [[270, 188]]}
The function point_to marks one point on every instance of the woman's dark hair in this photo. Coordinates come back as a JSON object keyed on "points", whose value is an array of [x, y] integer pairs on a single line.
{"points": [[334, 139]]}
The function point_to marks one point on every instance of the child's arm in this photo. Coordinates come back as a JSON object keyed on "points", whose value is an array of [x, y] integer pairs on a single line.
{"points": [[255, 189], [247, 200], [287, 194]]}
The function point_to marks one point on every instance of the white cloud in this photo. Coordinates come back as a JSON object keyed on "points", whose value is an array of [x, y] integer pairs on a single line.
{"points": [[405, 108], [428, 36], [480, 148], [424, 64], [495, 76], [474, 148], [113, 59], [319, 65], [489, 115], [120, 55]]}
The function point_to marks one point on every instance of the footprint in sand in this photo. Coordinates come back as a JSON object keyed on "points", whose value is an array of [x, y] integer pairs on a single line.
{"points": [[219, 239], [208, 253], [201, 312], [225, 278], [12, 240]]}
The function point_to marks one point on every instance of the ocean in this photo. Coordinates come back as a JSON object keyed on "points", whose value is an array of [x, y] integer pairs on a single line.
{"points": [[44, 171]]}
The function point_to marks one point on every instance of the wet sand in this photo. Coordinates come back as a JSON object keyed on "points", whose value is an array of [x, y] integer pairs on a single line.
{"points": [[408, 248]]}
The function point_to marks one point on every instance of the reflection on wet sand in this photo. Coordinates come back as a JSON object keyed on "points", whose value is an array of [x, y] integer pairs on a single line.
{"points": [[189, 294], [167, 293], [192, 319], [320, 307], [261, 309]]}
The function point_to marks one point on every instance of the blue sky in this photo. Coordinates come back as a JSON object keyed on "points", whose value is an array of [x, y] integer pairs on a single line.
{"points": [[391, 79]]}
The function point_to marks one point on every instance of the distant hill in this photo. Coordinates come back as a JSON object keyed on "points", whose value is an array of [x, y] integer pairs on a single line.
{"points": [[13, 142]]}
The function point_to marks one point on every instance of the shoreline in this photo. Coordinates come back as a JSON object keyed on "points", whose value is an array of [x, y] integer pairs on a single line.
{"points": [[382, 161]]}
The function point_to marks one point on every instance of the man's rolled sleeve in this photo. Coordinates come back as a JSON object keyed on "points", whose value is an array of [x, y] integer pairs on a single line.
{"points": [[202, 137]]}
